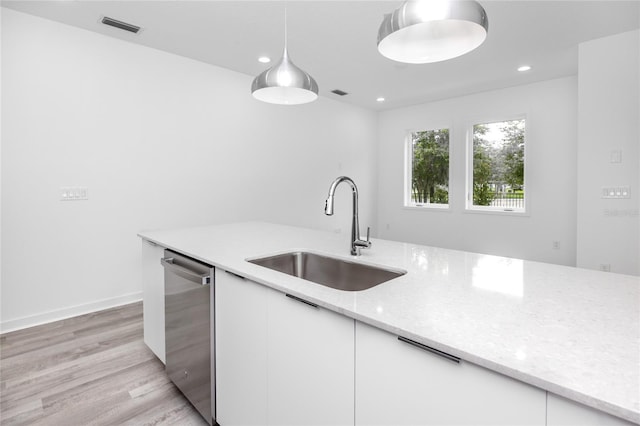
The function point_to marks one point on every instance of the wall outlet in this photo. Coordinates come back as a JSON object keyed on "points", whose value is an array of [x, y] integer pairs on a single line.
{"points": [[616, 157], [605, 267], [74, 193], [555, 245]]}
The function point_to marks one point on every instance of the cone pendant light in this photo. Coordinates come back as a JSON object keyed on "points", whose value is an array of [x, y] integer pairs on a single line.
{"points": [[425, 31], [285, 83]]}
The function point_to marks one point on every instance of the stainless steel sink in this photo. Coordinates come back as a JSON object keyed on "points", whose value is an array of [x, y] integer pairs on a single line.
{"points": [[328, 271]]}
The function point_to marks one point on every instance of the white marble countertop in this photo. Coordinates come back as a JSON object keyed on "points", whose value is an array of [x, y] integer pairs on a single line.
{"points": [[570, 331]]}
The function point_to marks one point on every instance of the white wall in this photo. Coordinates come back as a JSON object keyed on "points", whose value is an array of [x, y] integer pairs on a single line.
{"points": [[551, 111], [160, 141], [609, 120]]}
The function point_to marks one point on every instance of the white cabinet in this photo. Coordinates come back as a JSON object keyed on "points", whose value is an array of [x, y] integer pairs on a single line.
{"points": [[310, 364], [562, 412], [153, 297], [400, 384], [280, 361], [241, 350]]}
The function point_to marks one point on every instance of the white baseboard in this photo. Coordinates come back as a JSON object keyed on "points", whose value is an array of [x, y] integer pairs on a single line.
{"points": [[72, 311]]}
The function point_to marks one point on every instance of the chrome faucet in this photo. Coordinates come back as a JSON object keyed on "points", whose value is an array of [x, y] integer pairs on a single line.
{"points": [[356, 242]]}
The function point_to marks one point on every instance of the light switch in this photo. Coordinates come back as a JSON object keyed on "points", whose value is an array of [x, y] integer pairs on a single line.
{"points": [[74, 193], [615, 192]]}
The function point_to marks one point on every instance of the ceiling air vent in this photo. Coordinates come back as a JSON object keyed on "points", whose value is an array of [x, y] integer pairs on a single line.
{"points": [[119, 24], [339, 92]]}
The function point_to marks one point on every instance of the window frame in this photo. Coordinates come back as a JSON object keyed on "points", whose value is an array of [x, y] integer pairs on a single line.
{"points": [[487, 119], [408, 170]]}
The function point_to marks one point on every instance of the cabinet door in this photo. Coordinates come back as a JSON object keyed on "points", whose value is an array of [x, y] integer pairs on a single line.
{"points": [[562, 412], [311, 364], [153, 298], [399, 384], [240, 351]]}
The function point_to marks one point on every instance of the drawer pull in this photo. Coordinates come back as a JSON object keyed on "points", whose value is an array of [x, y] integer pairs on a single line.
{"points": [[430, 349], [300, 300]]}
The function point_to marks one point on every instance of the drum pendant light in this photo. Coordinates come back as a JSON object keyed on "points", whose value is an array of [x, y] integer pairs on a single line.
{"points": [[425, 31], [285, 83]]}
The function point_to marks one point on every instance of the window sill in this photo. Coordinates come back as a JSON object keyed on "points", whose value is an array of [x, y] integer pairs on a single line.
{"points": [[499, 212], [429, 207]]}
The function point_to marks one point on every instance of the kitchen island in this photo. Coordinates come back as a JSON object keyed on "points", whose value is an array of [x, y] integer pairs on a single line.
{"points": [[571, 332]]}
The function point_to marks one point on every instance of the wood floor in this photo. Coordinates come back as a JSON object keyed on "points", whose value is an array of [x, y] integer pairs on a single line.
{"points": [[88, 370]]}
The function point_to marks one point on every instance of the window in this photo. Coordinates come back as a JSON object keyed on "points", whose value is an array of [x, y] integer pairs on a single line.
{"points": [[497, 166], [428, 169]]}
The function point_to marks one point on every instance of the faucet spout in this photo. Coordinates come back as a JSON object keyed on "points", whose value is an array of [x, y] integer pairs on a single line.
{"points": [[356, 241]]}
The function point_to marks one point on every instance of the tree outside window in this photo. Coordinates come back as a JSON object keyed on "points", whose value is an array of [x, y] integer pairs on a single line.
{"points": [[498, 165], [429, 180]]}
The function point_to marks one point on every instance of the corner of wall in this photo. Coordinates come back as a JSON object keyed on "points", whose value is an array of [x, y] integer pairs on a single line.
{"points": [[608, 229]]}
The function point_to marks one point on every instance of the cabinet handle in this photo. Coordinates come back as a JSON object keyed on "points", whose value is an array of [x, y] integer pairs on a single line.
{"points": [[301, 300], [430, 349], [203, 279], [235, 275]]}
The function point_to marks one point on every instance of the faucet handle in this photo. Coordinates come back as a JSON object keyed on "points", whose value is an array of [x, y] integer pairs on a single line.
{"points": [[367, 243], [358, 243]]}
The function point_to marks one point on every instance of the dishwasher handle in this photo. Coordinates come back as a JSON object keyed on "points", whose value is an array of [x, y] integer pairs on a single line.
{"points": [[188, 274]]}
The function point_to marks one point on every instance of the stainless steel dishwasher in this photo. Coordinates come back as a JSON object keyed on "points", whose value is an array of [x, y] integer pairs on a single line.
{"points": [[188, 298]]}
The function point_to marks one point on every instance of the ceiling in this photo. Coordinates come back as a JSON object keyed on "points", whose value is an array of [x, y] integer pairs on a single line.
{"points": [[335, 41]]}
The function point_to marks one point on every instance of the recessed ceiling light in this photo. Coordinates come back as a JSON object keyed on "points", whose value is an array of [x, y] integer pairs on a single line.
{"points": [[380, 99], [524, 68], [264, 59]]}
